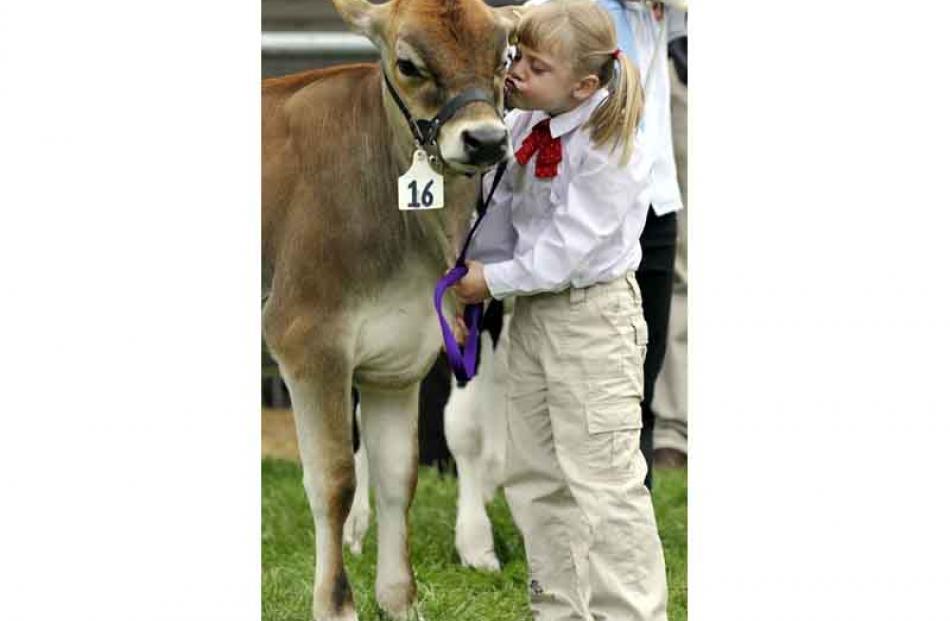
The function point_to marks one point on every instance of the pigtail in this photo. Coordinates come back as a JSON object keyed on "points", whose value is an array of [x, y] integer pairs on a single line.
{"points": [[616, 119]]}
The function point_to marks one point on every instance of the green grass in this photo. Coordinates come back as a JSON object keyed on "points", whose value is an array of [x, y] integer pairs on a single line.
{"points": [[446, 590]]}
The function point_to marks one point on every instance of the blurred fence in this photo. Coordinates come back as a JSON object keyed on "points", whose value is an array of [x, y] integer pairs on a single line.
{"points": [[308, 34], [283, 53]]}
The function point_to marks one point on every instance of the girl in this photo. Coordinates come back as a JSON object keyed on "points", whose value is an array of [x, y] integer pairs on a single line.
{"points": [[562, 235]]}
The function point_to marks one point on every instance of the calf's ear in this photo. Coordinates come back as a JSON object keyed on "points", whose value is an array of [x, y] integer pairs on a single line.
{"points": [[364, 17], [508, 16]]}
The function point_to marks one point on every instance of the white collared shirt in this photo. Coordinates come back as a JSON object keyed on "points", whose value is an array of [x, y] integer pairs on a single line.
{"points": [[578, 228], [656, 126]]}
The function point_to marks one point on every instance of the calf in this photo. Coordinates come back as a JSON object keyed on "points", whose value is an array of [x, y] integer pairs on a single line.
{"points": [[348, 276]]}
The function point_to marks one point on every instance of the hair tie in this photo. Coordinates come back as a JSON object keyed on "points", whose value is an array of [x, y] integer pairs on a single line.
{"points": [[615, 54]]}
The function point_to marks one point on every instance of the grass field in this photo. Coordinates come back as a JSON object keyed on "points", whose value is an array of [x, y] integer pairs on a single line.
{"points": [[446, 590]]}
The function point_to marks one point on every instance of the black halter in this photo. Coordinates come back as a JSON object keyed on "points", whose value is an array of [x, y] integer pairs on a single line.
{"points": [[426, 131]]}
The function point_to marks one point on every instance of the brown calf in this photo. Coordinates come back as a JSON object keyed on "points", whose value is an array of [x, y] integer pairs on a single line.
{"points": [[349, 277]]}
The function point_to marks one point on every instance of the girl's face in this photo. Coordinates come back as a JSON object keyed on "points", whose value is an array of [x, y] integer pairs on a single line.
{"points": [[540, 81]]}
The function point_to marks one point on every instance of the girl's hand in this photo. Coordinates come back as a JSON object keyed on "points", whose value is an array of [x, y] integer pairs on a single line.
{"points": [[460, 330], [473, 289]]}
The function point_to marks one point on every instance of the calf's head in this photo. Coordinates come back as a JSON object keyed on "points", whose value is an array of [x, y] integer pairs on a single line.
{"points": [[433, 50]]}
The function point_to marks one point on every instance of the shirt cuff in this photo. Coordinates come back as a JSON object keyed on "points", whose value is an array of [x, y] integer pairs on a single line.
{"points": [[499, 278]]}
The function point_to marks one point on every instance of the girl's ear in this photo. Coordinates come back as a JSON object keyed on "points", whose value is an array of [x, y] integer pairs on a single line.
{"points": [[585, 87]]}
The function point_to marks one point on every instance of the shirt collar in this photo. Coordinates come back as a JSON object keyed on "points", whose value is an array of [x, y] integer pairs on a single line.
{"points": [[566, 121]]}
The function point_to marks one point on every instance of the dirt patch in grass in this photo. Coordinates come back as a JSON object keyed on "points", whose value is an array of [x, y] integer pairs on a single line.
{"points": [[278, 435]]}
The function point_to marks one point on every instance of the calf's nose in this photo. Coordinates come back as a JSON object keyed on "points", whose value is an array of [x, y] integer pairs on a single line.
{"points": [[485, 145]]}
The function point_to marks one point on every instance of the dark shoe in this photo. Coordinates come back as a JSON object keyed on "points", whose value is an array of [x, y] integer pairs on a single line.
{"points": [[668, 459]]}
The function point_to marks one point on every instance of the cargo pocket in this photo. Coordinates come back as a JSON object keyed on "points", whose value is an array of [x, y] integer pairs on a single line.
{"points": [[613, 421]]}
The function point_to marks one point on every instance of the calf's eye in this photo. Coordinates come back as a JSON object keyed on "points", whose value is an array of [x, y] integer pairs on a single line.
{"points": [[408, 69]]}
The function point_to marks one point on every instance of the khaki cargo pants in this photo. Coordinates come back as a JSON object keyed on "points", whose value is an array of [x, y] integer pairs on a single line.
{"points": [[574, 472]]}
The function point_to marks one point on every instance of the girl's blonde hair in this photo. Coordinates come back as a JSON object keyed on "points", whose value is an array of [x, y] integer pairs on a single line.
{"points": [[583, 33]]}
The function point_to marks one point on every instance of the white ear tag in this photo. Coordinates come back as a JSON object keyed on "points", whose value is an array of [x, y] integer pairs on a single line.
{"points": [[420, 187]]}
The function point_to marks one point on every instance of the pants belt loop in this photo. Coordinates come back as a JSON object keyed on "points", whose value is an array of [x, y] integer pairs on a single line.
{"points": [[631, 277]]}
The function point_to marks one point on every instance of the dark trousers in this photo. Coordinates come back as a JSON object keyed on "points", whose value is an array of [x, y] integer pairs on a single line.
{"points": [[655, 278]]}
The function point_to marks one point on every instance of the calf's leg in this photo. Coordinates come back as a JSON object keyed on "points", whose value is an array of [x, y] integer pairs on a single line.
{"points": [[390, 422], [319, 378], [464, 433], [357, 523]]}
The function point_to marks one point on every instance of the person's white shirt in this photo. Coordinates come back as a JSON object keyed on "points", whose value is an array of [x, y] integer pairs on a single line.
{"points": [[656, 126], [576, 229]]}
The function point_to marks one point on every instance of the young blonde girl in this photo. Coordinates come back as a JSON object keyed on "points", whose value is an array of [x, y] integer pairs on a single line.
{"points": [[562, 235]]}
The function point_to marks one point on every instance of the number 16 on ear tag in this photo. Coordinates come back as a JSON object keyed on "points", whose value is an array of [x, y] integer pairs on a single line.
{"points": [[420, 187]]}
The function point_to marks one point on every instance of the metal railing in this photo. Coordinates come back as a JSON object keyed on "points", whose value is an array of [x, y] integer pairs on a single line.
{"points": [[336, 44]]}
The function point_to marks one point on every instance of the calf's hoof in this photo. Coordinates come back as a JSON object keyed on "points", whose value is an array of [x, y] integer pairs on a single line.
{"points": [[343, 615], [355, 527], [336, 603], [486, 560], [474, 543], [397, 601]]}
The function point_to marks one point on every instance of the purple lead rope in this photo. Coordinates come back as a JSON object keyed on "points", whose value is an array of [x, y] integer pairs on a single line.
{"points": [[463, 361]]}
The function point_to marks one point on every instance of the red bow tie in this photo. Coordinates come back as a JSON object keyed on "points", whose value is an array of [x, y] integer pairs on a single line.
{"points": [[548, 148]]}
